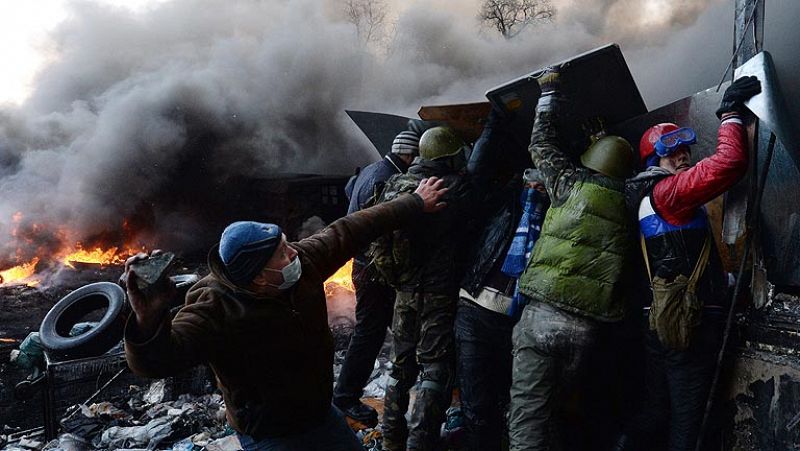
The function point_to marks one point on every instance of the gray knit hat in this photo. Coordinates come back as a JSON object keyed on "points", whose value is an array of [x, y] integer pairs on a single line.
{"points": [[406, 143]]}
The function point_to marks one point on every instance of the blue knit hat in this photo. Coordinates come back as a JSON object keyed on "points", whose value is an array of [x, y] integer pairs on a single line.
{"points": [[245, 247]]}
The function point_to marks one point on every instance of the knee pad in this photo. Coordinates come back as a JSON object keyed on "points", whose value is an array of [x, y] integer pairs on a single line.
{"points": [[437, 376]]}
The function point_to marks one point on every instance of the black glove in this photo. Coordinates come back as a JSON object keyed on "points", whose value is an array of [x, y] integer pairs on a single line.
{"points": [[550, 80], [737, 93]]}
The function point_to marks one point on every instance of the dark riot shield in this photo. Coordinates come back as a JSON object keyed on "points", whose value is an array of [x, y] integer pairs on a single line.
{"points": [[600, 85], [380, 128]]}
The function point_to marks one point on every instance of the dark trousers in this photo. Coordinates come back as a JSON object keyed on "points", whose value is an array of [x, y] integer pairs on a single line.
{"points": [[374, 307], [677, 384], [483, 344]]}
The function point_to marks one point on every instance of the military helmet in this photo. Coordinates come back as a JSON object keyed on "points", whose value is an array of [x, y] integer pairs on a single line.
{"points": [[439, 142], [611, 156]]}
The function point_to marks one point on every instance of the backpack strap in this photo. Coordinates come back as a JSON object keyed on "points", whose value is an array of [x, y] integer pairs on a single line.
{"points": [[646, 259], [702, 262], [699, 267]]}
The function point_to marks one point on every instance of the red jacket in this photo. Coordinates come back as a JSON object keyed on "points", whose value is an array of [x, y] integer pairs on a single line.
{"points": [[677, 198]]}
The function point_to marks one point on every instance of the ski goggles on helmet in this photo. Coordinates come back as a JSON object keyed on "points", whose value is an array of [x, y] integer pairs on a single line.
{"points": [[668, 142]]}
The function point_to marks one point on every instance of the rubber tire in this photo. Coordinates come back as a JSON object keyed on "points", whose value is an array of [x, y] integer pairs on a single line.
{"points": [[54, 332]]}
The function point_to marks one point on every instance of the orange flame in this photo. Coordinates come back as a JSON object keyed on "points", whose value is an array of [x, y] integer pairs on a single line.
{"points": [[110, 256], [19, 274], [97, 255], [341, 279]]}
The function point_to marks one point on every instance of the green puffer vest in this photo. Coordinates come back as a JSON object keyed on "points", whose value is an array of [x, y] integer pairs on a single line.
{"points": [[577, 262]]}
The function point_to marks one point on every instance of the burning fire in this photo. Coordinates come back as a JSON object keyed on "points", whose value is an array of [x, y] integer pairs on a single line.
{"points": [[19, 274], [26, 268], [98, 255], [342, 279], [68, 257]]}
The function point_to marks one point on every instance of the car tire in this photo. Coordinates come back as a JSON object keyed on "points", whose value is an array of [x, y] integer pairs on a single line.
{"points": [[54, 332]]}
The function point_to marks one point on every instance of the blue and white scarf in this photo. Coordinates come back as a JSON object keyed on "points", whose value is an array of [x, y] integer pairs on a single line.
{"points": [[534, 207]]}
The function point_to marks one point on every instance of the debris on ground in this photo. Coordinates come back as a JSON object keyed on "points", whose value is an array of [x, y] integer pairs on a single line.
{"points": [[143, 420], [376, 384], [376, 387], [30, 354], [371, 438], [155, 394], [149, 416]]}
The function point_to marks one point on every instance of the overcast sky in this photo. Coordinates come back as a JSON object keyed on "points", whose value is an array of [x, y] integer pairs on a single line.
{"points": [[23, 31], [24, 27]]}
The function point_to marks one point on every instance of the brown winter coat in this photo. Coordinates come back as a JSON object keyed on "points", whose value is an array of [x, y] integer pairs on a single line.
{"points": [[273, 358]]}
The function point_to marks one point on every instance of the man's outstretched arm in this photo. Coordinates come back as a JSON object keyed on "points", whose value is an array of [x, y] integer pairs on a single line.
{"points": [[340, 241]]}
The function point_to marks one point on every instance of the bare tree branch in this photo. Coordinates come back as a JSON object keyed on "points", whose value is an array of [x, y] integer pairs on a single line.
{"points": [[369, 18], [510, 17]]}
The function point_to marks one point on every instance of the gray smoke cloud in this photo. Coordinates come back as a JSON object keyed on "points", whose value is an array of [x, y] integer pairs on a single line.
{"points": [[141, 117], [644, 22]]}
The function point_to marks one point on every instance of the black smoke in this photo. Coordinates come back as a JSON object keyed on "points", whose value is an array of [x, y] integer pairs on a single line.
{"points": [[156, 118]]}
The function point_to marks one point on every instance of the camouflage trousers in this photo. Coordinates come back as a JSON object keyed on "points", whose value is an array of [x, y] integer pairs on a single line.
{"points": [[422, 328]]}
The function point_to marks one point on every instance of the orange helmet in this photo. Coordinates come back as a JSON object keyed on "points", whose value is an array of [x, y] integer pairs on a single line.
{"points": [[649, 138]]}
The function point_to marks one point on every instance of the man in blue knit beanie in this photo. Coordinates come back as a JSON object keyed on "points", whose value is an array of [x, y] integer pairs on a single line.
{"points": [[259, 320]]}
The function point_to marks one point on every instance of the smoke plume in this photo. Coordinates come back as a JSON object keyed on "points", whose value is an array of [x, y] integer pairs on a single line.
{"points": [[142, 118]]}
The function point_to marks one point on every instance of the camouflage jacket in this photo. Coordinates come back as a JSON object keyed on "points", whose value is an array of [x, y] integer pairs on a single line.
{"points": [[426, 255]]}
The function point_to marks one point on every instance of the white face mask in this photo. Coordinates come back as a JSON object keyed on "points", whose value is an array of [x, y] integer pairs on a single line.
{"points": [[291, 274]]}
